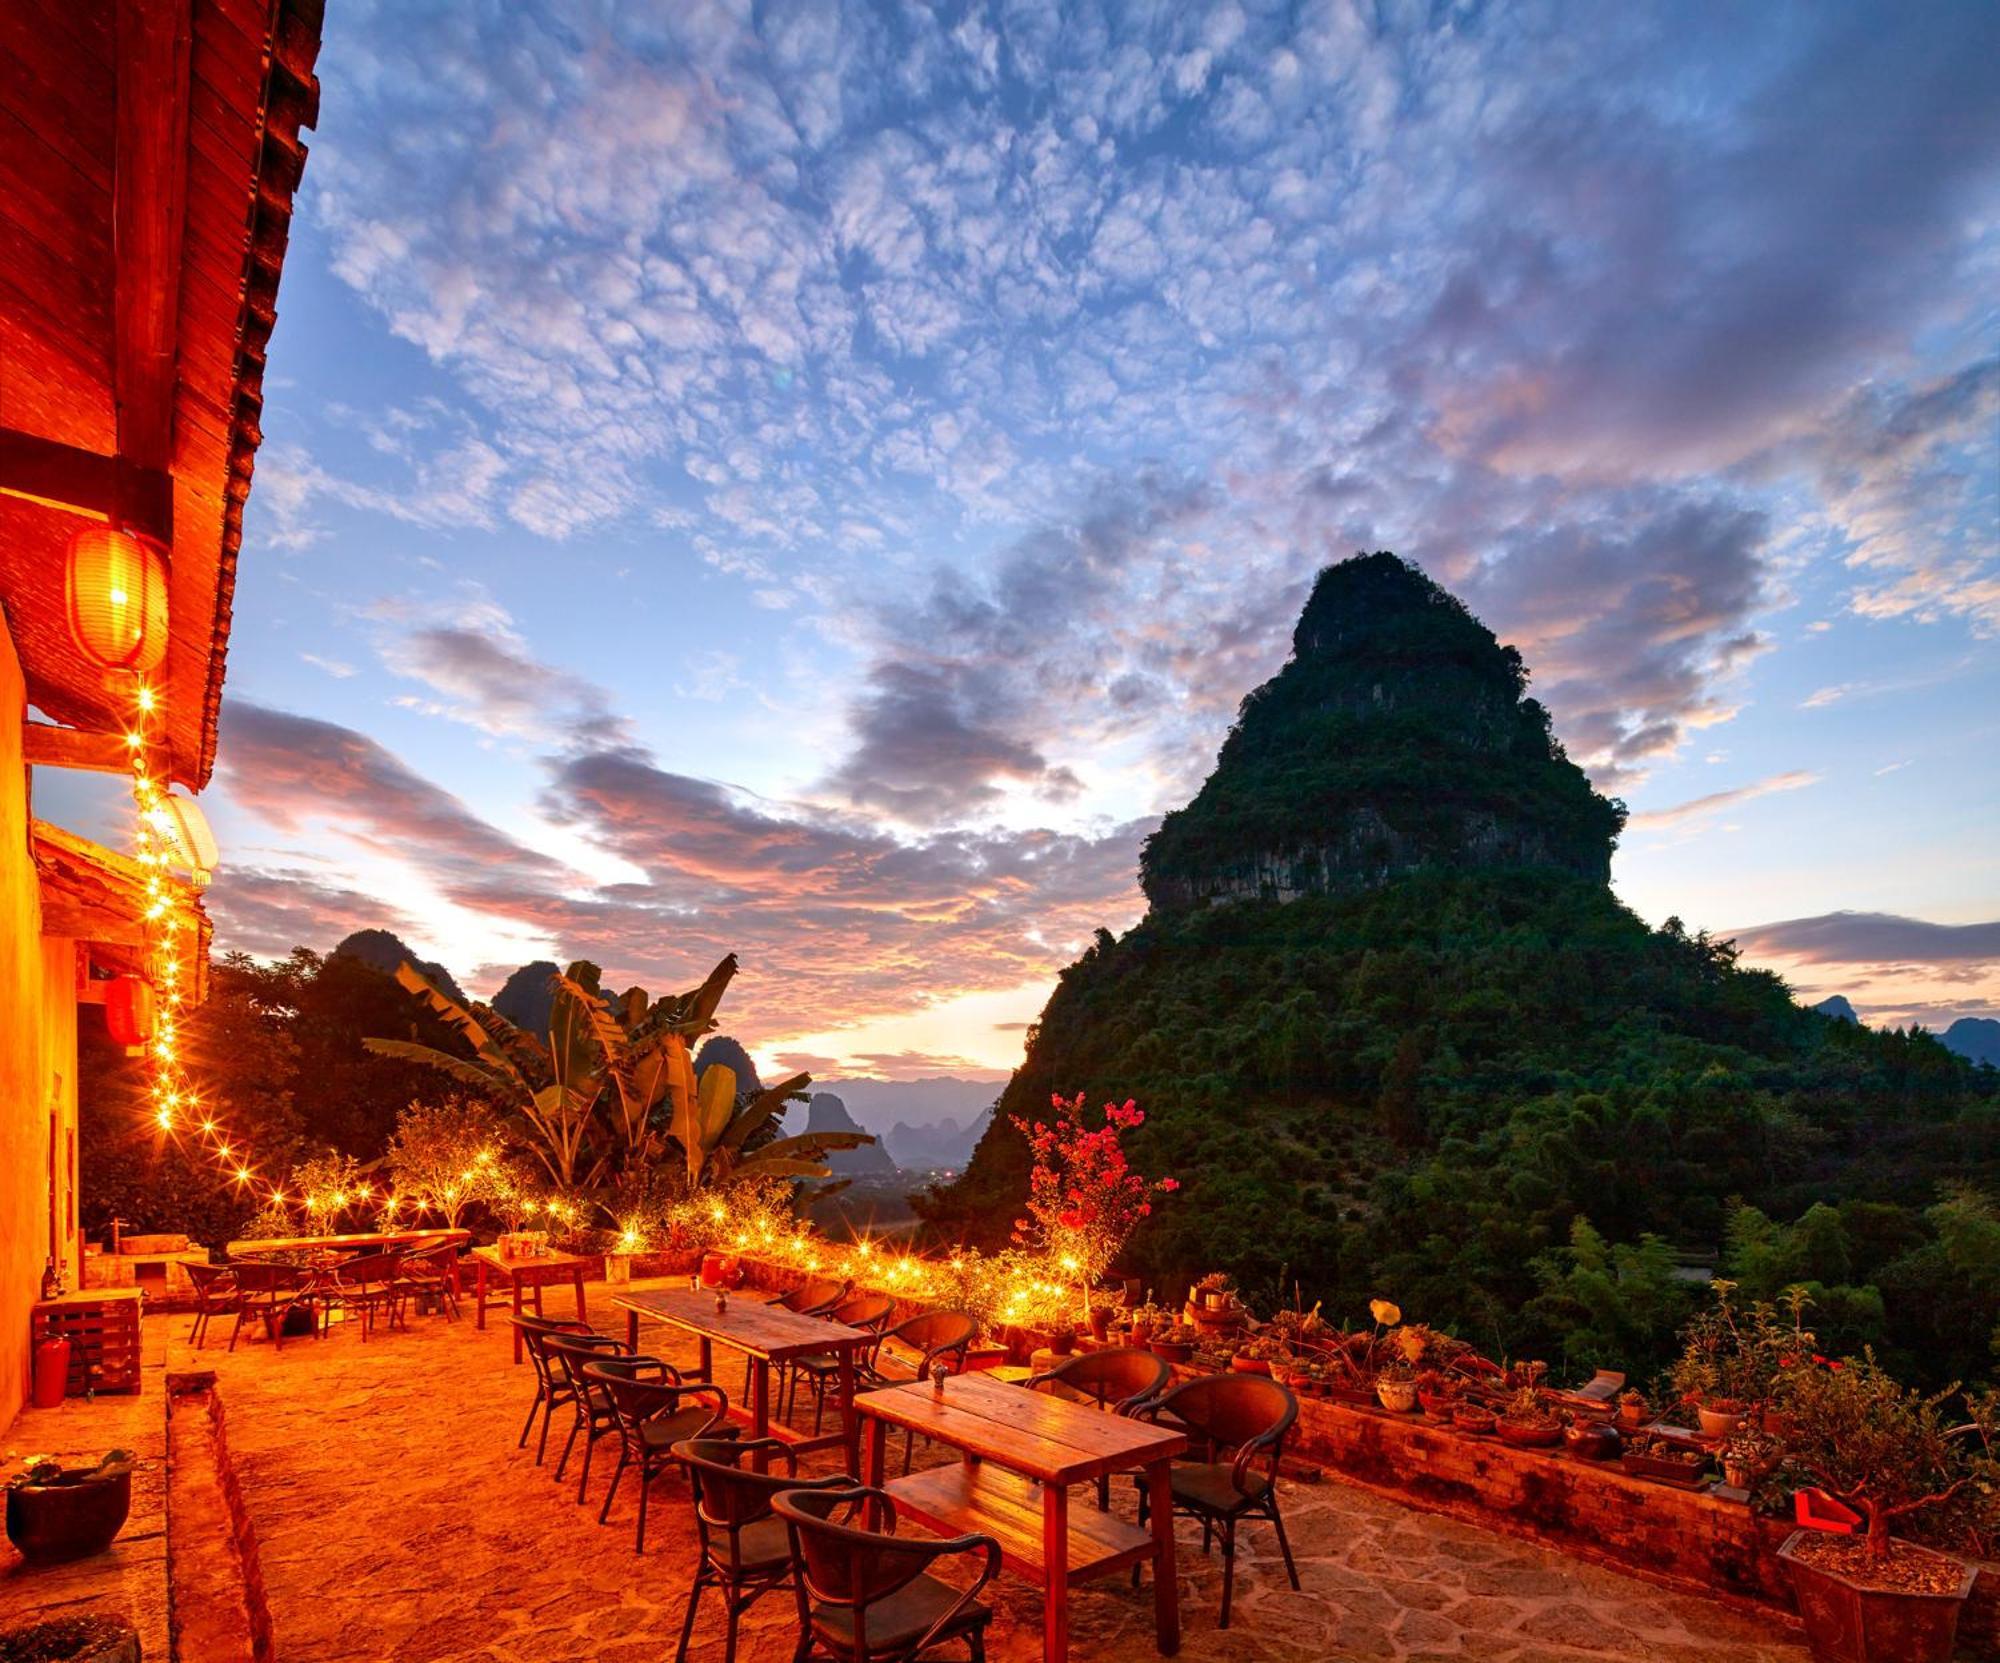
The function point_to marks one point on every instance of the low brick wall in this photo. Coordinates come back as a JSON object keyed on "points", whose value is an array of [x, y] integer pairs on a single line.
{"points": [[1688, 1539]]}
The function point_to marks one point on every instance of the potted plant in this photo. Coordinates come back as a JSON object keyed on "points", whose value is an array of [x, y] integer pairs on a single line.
{"points": [[1746, 1457], [1439, 1393], [1256, 1356], [56, 1513], [1886, 1452], [1062, 1339], [1528, 1423], [1665, 1459], [1175, 1344], [1734, 1360], [1633, 1411], [1216, 1291], [1475, 1418], [1100, 1322], [1396, 1387]]}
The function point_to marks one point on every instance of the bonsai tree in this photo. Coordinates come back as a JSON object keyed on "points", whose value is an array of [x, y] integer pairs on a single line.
{"points": [[1876, 1445]]}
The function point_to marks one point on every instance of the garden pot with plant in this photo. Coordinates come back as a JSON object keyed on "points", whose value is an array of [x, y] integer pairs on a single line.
{"points": [[1666, 1460], [1396, 1388], [1100, 1322], [1734, 1359], [1438, 1393], [1888, 1453], [56, 1513], [1528, 1423], [1174, 1345], [1633, 1412], [1216, 1291], [1474, 1418]]}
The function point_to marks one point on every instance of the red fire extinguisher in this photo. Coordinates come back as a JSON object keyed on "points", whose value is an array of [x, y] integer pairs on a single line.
{"points": [[51, 1371]]}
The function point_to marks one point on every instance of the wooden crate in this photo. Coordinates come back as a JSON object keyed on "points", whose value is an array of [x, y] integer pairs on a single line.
{"points": [[102, 1327]]}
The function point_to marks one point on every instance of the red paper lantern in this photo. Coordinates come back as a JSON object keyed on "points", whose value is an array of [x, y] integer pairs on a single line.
{"points": [[117, 592], [128, 1010]]}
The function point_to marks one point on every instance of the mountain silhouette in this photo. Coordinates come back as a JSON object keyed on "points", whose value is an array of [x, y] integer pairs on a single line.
{"points": [[384, 950]]}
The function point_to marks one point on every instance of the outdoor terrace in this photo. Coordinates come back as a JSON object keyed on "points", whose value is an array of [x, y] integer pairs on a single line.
{"points": [[390, 1516]]}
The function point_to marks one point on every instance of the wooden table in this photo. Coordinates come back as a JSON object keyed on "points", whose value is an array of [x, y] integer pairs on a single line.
{"points": [[1023, 1450], [521, 1275], [366, 1241], [766, 1334]]}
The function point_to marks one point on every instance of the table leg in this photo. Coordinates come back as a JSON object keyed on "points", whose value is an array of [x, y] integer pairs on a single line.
{"points": [[705, 1364], [848, 1428], [582, 1314], [1166, 1577], [479, 1318], [877, 1452], [760, 1408], [632, 1332], [517, 1312], [1055, 1573]]}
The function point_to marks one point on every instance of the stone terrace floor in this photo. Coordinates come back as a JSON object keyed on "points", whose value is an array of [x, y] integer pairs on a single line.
{"points": [[397, 1523]]}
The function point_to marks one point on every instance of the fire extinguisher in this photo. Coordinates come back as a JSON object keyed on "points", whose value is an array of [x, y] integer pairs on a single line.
{"points": [[51, 1371]]}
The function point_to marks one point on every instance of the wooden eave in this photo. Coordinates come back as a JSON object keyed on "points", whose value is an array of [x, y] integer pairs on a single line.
{"points": [[141, 243], [96, 896]]}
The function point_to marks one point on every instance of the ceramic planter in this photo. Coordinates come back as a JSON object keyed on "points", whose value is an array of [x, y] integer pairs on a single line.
{"points": [[1172, 1352], [1436, 1404], [1719, 1422], [1397, 1396], [1531, 1434], [1847, 1621], [71, 1518], [1471, 1418], [1249, 1365]]}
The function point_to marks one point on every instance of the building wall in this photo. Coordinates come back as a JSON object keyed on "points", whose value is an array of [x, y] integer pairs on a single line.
{"points": [[24, 1051]]}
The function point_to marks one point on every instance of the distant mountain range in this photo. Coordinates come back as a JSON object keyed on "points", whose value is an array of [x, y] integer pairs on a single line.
{"points": [[384, 950], [1975, 1038], [827, 1113], [945, 1147]]}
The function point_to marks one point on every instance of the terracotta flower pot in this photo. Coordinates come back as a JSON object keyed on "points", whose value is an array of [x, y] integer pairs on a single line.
{"points": [[71, 1518], [1249, 1365], [1172, 1352], [1720, 1419], [1436, 1404], [1849, 1621], [1100, 1325], [1062, 1344], [1397, 1396], [1472, 1418], [1531, 1434]]}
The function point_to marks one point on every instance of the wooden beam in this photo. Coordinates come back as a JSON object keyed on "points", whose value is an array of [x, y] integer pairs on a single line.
{"points": [[155, 40], [43, 746], [83, 482]]}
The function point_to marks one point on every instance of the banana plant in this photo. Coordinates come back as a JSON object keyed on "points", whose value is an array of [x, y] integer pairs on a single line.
{"points": [[551, 1088], [717, 1129]]}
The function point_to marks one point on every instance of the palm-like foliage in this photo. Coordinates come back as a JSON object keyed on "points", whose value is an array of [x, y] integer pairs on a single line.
{"points": [[550, 1087], [631, 1056]]}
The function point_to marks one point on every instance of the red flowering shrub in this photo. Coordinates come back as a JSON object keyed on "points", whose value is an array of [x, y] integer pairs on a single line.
{"points": [[1084, 1199]]}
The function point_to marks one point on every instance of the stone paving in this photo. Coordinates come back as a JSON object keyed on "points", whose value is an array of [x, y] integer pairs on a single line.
{"points": [[398, 1524]]}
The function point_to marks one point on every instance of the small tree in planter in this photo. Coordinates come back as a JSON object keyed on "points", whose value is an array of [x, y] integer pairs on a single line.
{"points": [[1084, 1199], [1887, 1452], [447, 1155], [1734, 1360]]}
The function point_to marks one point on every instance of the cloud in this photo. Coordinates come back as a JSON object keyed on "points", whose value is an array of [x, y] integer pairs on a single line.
{"points": [[1701, 808], [268, 912], [1872, 938]]}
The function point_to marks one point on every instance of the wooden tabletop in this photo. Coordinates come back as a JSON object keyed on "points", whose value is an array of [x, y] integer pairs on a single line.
{"points": [[347, 1244], [1025, 1432], [539, 1261], [749, 1325]]}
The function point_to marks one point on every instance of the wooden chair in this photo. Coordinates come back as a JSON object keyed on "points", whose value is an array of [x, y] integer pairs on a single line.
{"points": [[652, 1409], [431, 1274], [266, 1293], [814, 1298], [1247, 1413], [551, 1385], [595, 1416], [865, 1594], [936, 1337], [746, 1549], [214, 1296], [872, 1311], [365, 1284], [1119, 1379]]}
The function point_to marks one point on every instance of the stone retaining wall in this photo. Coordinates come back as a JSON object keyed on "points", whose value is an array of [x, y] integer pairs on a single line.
{"points": [[1691, 1539]]}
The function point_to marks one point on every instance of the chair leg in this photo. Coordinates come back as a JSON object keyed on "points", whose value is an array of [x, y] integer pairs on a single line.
{"points": [[569, 1443], [534, 1409], [1228, 1568], [976, 1645], [645, 1489], [1207, 1530], [618, 1472], [240, 1315], [589, 1444], [1284, 1546], [729, 1630], [687, 1622], [909, 1448], [548, 1414]]}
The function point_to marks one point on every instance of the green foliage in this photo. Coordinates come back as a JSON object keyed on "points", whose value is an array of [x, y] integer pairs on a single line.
{"points": [[446, 1156], [1569, 1063]]}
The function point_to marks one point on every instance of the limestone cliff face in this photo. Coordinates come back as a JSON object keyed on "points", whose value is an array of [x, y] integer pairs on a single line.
{"points": [[1398, 737]]}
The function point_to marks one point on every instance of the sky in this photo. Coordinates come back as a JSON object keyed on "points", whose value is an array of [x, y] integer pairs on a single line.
{"points": [[815, 480]]}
